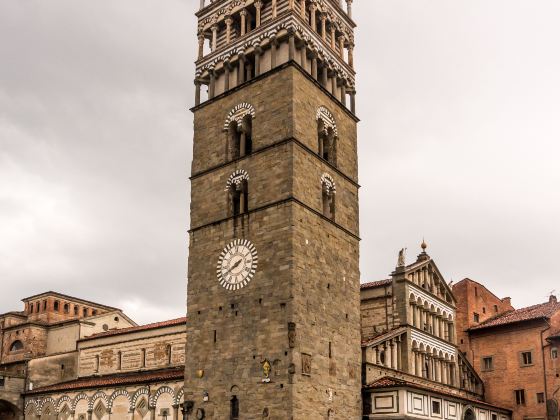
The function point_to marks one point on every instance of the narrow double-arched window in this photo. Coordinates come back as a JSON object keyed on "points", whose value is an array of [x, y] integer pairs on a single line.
{"points": [[239, 128], [238, 189], [327, 135], [328, 191]]}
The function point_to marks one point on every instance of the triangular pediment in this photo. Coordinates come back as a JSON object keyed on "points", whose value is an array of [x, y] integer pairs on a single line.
{"points": [[425, 273]]}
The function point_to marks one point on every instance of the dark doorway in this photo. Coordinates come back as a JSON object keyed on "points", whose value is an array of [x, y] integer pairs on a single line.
{"points": [[8, 411], [469, 414]]}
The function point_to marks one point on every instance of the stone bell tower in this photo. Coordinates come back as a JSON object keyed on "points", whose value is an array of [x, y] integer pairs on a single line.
{"points": [[273, 285]]}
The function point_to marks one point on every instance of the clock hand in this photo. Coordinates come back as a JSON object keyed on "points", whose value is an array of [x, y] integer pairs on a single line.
{"points": [[235, 266]]}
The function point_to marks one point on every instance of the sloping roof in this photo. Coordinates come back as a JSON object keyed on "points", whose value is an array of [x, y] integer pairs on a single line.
{"points": [[21, 314], [390, 382], [554, 335], [383, 335], [541, 311], [113, 380], [373, 284], [128, 330], [68, 297]]}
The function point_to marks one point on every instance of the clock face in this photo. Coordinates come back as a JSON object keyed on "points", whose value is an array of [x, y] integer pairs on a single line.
{"points": [[237, 264]]}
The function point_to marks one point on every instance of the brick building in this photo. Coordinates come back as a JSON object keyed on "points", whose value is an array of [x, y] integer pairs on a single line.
{"points": [[475, 304], [515, 351]]}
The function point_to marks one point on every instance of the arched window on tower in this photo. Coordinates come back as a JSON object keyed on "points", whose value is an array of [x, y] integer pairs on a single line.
{"points": [[239, 127], [327, 135], [234, 408], [328, 191], [238, 188], [16, 346]]}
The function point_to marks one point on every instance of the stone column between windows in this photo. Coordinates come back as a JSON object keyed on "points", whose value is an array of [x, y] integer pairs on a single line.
{"points": [[243, 14], [214, 29], [394, 356], [229, 21], [258, 7]]}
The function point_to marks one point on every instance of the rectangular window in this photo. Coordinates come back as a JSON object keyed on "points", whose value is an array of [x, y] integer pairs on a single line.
{"points": [[540, 397], [526, 358], [436, 407], [496, 308], [483, 310], [554, 353], [487, 363], [494, 417], [520, 396], [476, 317]]}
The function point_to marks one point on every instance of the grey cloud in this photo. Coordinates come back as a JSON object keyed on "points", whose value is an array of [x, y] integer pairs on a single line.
{"points": [[458, 143]]}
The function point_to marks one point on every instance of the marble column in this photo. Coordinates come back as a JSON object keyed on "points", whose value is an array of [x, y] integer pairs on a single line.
{"points": [[214, 29], [349, 8], [243, 14], [258, 7], [229, 21], [211, 84], [394, 356], [324, 26], [201, 40], [197, 92], [313, 15]]}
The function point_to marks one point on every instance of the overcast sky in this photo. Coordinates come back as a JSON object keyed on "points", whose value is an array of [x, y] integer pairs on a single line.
{"points": [[459, 143]]}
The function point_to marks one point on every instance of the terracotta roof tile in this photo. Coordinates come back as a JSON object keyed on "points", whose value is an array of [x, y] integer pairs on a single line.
{"points": [[543, 310], [113, 380], [390, 382], [128, 330], [373, 284]]}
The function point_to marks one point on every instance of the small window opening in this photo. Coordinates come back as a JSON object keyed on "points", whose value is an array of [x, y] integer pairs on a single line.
{"points": [[168, 354], [526, 358], [143, 358], [436, 407], [96, 368], [16, 346], [496, 308], [76, 310], [330, 350], [31, 308], [215, 336], [540, 397], [38, 307], [488, 363], [476, 317], [44, 305], [554, 353], [119, 360], [66, 308], [520, 396], [84, 311], [234, 408], [56, 305], [328, 202]]}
